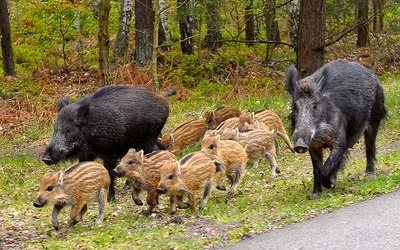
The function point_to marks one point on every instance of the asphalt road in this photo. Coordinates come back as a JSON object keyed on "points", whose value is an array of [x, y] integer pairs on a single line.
{"points": [[373, 224]]}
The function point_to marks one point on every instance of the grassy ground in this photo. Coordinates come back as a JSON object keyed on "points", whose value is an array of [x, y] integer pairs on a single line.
{"points": [[263, 203]]}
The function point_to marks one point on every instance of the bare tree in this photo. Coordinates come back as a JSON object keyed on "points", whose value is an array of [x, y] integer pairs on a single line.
{"points": [[362, 28], [186, 19], [294, 22], [310, 53], [104, 41], [249, 21], [213, 21], [123, 35], [271, 25], [378, 17], [144, 18], [6, 43]]}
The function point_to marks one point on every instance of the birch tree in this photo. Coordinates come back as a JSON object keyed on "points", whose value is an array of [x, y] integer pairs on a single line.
{"points": [[164, 25]]}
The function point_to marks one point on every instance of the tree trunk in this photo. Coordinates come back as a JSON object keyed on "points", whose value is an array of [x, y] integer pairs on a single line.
{"points": [[79, 43], [123, 35], [144, 17], [186, 19], [362, 29], [310, 53], [213, 21], [378, 18], [155, 45], [104, 41], [96, 7], [294, 22], [164, 32], [272, 28], [249, 21], [6, 43]]}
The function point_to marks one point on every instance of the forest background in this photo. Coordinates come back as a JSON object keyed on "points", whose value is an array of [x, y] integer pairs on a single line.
{"points": [[217, 53]]}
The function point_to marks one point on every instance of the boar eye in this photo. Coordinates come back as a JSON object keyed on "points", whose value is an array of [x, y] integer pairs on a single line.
{"points": [[212, 146], [171, 177], [49, 188], [131, 162]]}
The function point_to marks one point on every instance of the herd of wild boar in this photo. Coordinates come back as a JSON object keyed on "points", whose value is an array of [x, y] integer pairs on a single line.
{"points": [[122, 125]]}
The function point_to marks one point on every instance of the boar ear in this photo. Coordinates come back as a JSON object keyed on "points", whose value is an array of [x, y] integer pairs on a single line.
{"points": [[179, 167], [62, 103], [141, 153], [83, 109], [132, 150], [291, 79], [321, 81]]}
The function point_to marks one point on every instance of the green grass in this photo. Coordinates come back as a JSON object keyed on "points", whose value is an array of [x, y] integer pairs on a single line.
{"points": [[262, 204]]}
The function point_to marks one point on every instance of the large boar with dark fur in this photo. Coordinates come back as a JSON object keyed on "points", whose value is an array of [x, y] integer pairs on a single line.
{"points": [[106, 124], [332, 109]]}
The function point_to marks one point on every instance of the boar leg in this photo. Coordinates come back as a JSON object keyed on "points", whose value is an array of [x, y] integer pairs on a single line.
{"points": [[255, 163], [272, 163], [370, 149], [181, 204], [82, 212], [334, 162], [316, 158], [110, 164], [135, 196], [152, 200], [286, 139], [102, 202], [192, 201], [172, 203], [75, 212], [234, 179], [207, 191], [54, 216]]}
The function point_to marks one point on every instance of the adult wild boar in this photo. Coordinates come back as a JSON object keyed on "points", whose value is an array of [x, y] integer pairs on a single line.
{"points": [[106, 124], [332, 108]]}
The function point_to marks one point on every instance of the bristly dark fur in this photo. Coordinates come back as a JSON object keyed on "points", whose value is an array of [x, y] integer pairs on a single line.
{"points": [[333, 108]]}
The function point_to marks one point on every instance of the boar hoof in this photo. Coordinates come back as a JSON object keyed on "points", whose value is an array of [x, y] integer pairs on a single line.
{"points": [[315, 195], [329, 183], [126, 186], [368, 175], [220, 187], [138, 202], [184, 205]]}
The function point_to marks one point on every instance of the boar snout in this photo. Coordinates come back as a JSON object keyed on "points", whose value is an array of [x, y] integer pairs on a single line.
{"points": [[47, 160], [38, 203], [300, 146], [118, 173], [161, 190]]}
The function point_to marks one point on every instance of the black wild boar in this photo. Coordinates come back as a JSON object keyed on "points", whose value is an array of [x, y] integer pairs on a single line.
{"points": [[332, 109], [106, 124]]}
